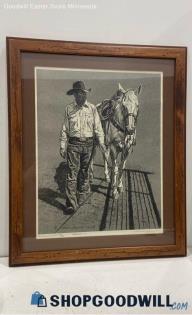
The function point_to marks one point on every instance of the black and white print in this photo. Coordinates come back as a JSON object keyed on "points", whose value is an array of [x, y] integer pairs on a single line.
{"points": [[117, 182]]}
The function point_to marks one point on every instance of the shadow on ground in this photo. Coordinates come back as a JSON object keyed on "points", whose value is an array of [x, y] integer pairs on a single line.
{"points": [[135, 208], [61, 177], [50, 196]]}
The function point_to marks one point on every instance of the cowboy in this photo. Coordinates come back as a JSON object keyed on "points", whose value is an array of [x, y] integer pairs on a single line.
{"points": [[80, 127]]}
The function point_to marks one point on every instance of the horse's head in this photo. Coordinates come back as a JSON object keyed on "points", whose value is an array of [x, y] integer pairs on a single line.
{"points": [[130, 102]]}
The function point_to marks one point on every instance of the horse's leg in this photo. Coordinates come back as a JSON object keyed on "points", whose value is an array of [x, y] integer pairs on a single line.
{"points": [[91, 174], [106, 167], [91, 168], [124, 156], [114, 179], [105, 125]]}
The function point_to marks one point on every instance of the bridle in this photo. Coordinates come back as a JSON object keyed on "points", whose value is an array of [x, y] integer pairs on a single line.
{"points": [[110, 114]]}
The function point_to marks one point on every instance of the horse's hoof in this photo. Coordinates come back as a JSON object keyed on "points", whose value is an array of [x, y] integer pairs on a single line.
{"points": [[107, 179], [115, 194], [120, 190]]}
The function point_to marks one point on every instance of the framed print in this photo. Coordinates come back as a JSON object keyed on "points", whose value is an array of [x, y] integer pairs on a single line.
{"points": [[97, 151]]}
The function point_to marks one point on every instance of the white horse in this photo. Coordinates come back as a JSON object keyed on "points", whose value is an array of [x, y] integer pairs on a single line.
{"points": [[119, 117]]}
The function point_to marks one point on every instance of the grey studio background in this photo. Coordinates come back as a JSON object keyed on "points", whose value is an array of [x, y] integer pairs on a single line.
{"points": [[124, 21]]}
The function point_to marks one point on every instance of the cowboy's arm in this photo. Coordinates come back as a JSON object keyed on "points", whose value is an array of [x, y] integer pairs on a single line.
{"points": [[98, 130], [100, 134], [63, 136]]}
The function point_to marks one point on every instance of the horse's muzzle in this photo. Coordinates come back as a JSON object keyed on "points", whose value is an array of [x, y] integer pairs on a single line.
{"points": [[130, 131]]}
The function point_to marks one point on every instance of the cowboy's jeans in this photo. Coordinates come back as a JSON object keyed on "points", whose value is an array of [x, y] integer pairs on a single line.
{"points": [[78, 160]]}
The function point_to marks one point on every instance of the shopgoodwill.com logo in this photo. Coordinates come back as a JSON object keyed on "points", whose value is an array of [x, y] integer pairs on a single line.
{"points": [[40, 300]]}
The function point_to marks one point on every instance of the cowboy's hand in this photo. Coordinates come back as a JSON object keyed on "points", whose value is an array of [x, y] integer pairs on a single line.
{"points": [[120, 144], [63, 152], [127, 139], [103, 148]]}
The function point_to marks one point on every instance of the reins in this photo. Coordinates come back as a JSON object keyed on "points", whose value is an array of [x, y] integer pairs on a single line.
{"points": [[109, 115]]}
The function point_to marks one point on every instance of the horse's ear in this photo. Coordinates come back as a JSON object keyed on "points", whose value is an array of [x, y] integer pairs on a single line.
{"points": [[138, 90], [121, 88]]}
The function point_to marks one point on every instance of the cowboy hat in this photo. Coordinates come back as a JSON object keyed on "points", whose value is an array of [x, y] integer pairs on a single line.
{"points": [[78, 86]]}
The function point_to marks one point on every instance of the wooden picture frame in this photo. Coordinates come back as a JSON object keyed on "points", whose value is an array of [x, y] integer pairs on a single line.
{"points": [[22, 56]]}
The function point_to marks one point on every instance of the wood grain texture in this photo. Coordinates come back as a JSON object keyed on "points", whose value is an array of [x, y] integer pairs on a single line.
{"points": [[15, 47]]}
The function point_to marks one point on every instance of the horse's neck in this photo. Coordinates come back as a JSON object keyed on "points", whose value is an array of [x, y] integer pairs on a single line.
{"points": [[118, 115], [112, 133]]}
